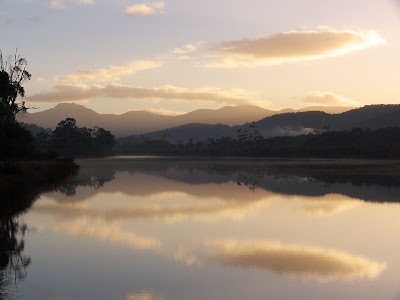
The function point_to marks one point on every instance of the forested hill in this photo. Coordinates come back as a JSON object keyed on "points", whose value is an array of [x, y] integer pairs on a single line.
{"points": [[294, 123], [381, 143]]}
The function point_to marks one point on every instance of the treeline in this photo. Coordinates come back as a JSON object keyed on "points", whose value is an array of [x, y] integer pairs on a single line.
{"points": [[381, 143], [15, 141], [69, 140]]}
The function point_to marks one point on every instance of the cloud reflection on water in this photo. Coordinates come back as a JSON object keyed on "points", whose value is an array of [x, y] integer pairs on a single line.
{"points": [[143, 295], [295, 261], [98, 229], [168, 207], [137, 199], [327, 205]]}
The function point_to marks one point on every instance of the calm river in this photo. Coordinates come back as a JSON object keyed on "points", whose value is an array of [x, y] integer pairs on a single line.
{"points": [[189, 229]]}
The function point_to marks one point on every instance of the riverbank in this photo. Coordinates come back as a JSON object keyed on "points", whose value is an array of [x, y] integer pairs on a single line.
{"points": [[22, 181]]}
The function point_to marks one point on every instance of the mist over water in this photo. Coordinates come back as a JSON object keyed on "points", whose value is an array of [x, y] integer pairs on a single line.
{"points": [[170, 228]]}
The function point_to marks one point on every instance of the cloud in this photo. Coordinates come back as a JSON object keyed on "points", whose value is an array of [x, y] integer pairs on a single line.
{"points": [[296, 261], [292, 46], [327, 99], [61, 4], [83, 92], [68, 93], [56, 5], [145, 9], [112, 73], [185, 49]]}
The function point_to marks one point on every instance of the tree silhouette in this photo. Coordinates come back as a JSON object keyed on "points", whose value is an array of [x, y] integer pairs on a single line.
{"points": [[72, 141], [13, 74]]}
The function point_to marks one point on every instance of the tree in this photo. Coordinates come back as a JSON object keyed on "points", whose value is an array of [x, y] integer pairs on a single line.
{"points": [[13, 74], [70, 140]]}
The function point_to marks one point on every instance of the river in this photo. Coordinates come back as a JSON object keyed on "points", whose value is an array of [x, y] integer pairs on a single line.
{"points": [[148, 228]]}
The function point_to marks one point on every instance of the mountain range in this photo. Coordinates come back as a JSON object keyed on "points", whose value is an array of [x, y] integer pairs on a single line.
{"points": [[293, 123], [141, 122]]}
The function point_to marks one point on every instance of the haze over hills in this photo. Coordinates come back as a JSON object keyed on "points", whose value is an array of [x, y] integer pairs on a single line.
{"points": [[293, 123], [140, 122]]}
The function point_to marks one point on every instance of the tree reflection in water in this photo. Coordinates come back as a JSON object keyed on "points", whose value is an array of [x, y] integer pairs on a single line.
{"points": [[20, 185], [13, 262], [371, 181]]}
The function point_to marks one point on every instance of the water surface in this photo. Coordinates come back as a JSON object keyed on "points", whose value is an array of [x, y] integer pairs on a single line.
{"points": [[178, 229]]}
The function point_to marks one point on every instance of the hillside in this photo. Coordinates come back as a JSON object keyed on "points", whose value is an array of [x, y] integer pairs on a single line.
{"points": [[139, 122], [295, 123], [194, 131]]}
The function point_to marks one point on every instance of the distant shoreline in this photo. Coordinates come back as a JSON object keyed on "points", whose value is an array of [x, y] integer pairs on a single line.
{"points": [[258, 158]]}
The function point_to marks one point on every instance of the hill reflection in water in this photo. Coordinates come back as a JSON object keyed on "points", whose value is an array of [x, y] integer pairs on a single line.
{"points": [[374, 181], [254, 220]]}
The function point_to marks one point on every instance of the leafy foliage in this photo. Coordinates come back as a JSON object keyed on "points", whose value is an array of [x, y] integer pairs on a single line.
{"points": [[13, 74], [15, 141], [70, 140]]}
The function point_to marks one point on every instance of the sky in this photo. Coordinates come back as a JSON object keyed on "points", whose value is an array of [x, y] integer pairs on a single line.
{"points": [[176, 56]]}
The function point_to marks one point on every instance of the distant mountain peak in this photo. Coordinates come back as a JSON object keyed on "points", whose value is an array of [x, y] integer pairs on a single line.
{"points": [[141, 121], [72, 104]]}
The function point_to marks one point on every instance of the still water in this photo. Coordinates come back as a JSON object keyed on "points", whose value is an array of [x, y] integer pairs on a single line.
{"points": [[179, 229]]}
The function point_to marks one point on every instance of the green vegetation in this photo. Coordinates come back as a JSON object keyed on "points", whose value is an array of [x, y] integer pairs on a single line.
{"points": [[69, 140], [15, 141], [381, 143], [18, 143], [25, 171], [13, 74]]}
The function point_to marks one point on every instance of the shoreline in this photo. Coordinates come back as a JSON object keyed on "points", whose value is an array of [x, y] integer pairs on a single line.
{"points": [[22, 181]]}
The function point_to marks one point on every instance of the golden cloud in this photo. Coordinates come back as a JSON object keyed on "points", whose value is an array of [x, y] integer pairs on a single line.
{"points": [[296, 261], [292, 46], [145, 9], [327, 99], [83, 92], [109, 74], [68, 93], [185, 49]]}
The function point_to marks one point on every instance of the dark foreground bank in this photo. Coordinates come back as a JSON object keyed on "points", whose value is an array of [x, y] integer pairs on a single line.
{"points": [[20, 184], [21, 181]]}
